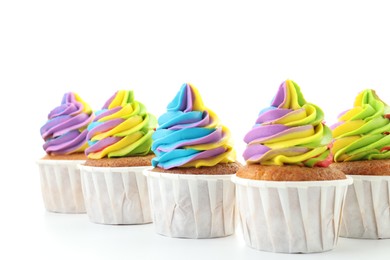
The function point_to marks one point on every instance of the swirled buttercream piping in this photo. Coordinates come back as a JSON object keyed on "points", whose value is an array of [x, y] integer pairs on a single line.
{"points": [[290, 131], [121, 128], [65, 131], [362, 132], [190, 135]]}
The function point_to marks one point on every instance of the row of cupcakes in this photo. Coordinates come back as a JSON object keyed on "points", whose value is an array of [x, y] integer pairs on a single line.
{"points": [[183, 175]]}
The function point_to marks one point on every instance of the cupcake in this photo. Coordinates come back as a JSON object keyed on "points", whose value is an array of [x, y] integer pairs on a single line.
{"points": [[361, 149], [190, 189], [119, 138], [65, 141], [288, 199]]}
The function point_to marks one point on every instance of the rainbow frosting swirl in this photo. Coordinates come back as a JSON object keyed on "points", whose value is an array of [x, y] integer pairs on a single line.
{"points": [[190, 135], [121, 128], [66, 130], [362, 132], [290, 131]]}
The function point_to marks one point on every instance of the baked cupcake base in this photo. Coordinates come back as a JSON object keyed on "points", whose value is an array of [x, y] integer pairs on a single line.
{"points": [[367, 205], [134, 161], [61, 183], [115, 194], [219, 169], [193, 205], [290, 216], [289, 173]]}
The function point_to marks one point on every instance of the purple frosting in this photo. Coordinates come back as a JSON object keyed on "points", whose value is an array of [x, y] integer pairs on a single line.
{"points": [[283, 129], [65, 131]]}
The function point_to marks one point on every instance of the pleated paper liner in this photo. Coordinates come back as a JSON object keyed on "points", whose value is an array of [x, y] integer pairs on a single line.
{"points": [[192, 206], [61, 186], [367, 208], [291, 217], [116, 195]]}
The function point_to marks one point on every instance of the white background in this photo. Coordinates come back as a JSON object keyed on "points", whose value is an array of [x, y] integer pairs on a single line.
{"points": [[236, 53]]}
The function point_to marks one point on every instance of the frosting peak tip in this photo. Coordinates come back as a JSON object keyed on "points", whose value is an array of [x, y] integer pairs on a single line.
{"points": [[187, 99]]}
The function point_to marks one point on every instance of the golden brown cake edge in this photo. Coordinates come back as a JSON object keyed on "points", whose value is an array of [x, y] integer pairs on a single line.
{"points": [[131, 161], [219, 169], [74, 156], [367, 167], [289, 173]]}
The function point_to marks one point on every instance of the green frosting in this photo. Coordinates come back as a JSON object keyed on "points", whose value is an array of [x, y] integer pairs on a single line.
{"points": [[362, 132]]}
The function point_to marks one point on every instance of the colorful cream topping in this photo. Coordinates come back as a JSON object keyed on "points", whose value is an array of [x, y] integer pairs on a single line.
{"points": [[290, 131], [121, 128], [65, 132], [190, 135], [362, 132]]}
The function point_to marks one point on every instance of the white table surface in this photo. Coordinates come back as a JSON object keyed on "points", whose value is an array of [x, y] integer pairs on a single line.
{"points": [[58, 236], [27, 231]]}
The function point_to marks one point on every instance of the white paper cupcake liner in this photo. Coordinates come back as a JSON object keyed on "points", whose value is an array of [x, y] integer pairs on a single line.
{"points": [[192, 206], [367, 208], [116, 195], [290, 217], [61, 186]]}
